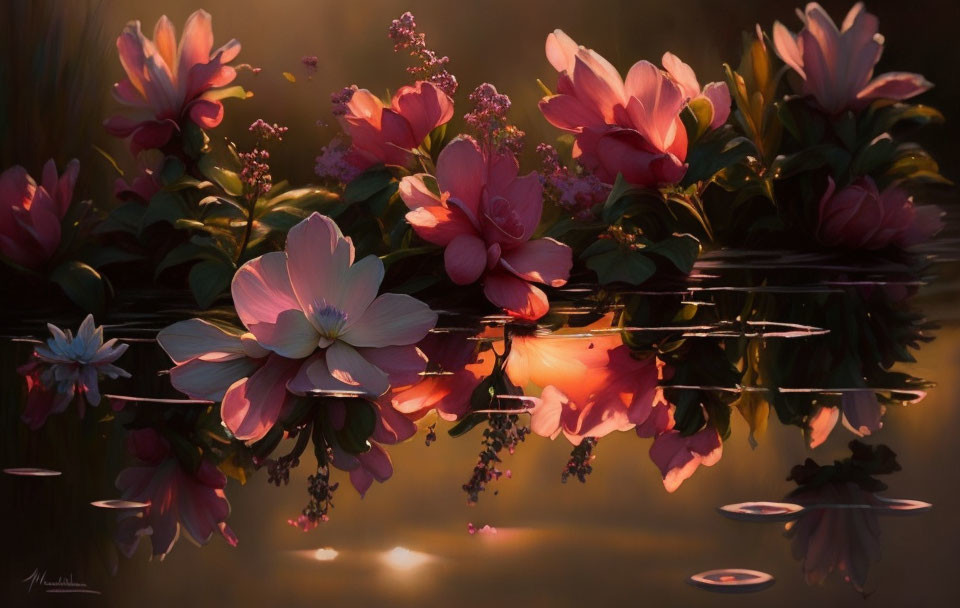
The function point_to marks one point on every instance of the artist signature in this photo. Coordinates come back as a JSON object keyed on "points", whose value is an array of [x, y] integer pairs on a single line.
{"points": [[62, 584]]}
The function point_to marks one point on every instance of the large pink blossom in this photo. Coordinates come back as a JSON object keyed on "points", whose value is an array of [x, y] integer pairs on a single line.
{"points": [[630, 127], [167, 83], [314, 324], [590, 386], [836, 65], [859, 216], [390, 134], [484, 217], [194, 502], [30, 213]]}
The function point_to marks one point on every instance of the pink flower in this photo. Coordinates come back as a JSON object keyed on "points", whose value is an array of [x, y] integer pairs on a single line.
{"points": [[455, 369], [375, 464], [861, 412], [389, 135], [178, 499], [484, 218], [167, 83], [836, 65], [630, 127], [859, 216], [590, 386], [715, 93], [30, 214], [678, 457], [311, 302]]}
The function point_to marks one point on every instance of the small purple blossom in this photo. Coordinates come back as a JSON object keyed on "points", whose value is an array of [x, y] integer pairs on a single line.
{"points": [[255, 164], [489, 120], [575, 193], [432, 68], [332, 162], [267, 132], [341, 98]]}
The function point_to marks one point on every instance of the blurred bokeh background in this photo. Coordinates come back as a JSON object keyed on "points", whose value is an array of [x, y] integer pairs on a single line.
{"points": [[620, 538]]}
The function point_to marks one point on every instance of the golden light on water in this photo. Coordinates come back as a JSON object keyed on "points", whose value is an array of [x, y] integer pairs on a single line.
{"points": [[325, 554], [401, 558]]}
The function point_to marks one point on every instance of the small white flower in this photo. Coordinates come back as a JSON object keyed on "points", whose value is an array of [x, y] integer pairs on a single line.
{"points": [[76, 363]]}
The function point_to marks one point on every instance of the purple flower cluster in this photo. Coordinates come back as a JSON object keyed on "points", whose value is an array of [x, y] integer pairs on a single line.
{"points": [[575, 193], [503, 432], [489, 120], [341, 98], [267, 132], [332, 162], [433, 68]]}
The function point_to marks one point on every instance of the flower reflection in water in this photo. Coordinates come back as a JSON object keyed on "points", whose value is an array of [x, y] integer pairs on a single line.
{"points": [[401, 558]]}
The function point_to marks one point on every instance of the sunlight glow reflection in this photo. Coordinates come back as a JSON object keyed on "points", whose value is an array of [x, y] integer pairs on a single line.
{"points": [[401, 558], [325, 554]]}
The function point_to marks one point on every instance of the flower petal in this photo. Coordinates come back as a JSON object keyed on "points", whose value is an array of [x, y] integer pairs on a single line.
{"points": [[465, 257], [542, 260], [516, 296], [196, 338], [252, 405], [391, 320], [199, 379], [348, 366]]}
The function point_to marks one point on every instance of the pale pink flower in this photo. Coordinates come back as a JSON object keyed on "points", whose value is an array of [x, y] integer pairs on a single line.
{"points": [[836, 65], [860, 411], [678, 457], [859, 216], [630, 127], [590, 387], [313, 302], [390, 134], [167, 83], [194, 502], [484, 218], [30, 213]]}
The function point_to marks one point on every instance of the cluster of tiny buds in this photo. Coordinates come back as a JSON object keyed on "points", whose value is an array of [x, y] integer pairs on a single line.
{"points": [[341, 98], [278, 471], [485, 530], [321, 500], [266, 131], [433, 68], [333, 163], [576, 194], [580, 458], [489, 119], [255, 172], [628, 239], [502, 433]]}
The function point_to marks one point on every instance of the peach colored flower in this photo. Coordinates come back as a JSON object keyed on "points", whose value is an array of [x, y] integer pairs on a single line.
{"points": [[589, 386], [193, 502], [836, 65], [860, 412], [30, 214], [859, 216], [389, 134], [167, 83], [484, 217], [455, 368]]}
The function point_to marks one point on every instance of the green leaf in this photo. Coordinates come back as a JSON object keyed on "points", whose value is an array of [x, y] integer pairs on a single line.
{"points": [[681, 250], [172, 170], [225, 178], [619, 265], [208, 279], [406, 252], [82, 284], [186, 252], [125, 218], [715, 151], [697, 117], [359, 426], [164, 207], [106, 255], [367, 184]]}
